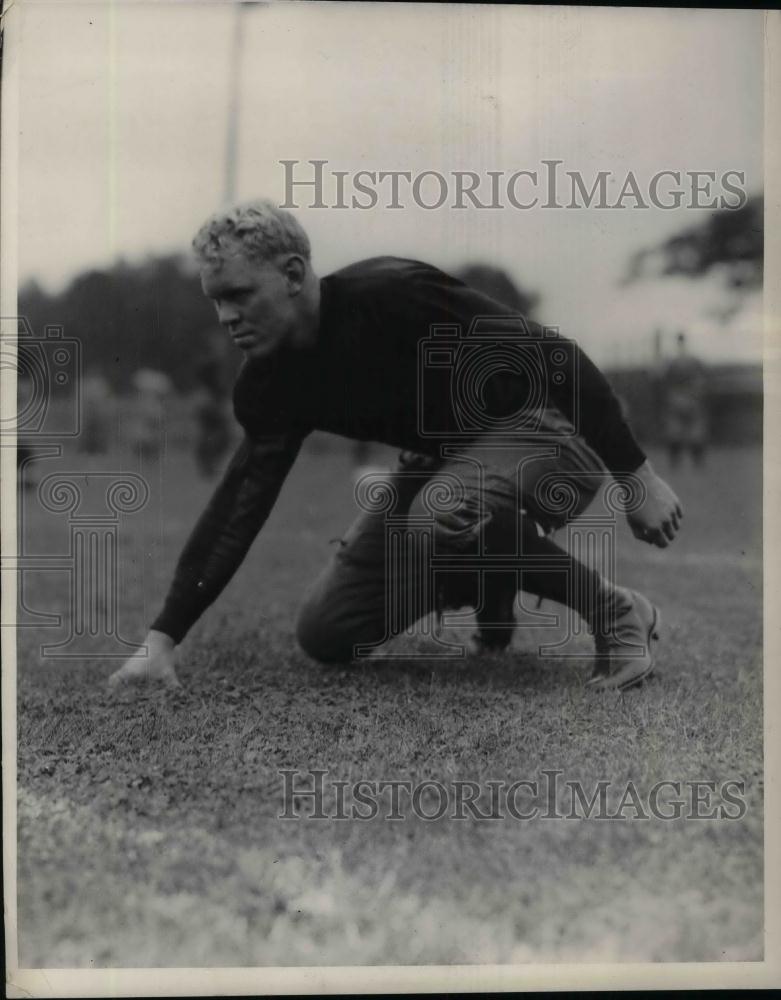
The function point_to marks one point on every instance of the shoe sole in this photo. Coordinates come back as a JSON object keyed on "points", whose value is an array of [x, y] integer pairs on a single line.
{"points": [[603, 683]]}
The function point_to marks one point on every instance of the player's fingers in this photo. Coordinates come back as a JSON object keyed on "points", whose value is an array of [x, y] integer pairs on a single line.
{"points": [[669, 530], [660, 541], [649, 535]]}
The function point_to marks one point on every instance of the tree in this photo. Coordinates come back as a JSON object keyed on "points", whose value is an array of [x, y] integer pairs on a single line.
{"points": [[730, 239]]}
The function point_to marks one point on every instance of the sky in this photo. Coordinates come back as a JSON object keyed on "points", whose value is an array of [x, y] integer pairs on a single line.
{"points": [[123, 119]]}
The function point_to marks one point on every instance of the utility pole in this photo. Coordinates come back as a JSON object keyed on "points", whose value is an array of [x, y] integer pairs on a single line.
{"points": [[234, 81], [235, 65]]}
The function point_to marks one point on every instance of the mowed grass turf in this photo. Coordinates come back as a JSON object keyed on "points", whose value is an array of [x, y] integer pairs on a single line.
{"points": [[148, 824]]}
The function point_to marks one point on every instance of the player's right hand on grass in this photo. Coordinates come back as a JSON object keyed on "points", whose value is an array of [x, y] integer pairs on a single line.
{"points": [[156, 663]]}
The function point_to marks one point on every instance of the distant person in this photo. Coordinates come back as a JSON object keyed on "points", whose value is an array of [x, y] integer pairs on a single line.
{"points": [[96, 414], [148, 420], [212, 421], [684, 402], [342, 354]]}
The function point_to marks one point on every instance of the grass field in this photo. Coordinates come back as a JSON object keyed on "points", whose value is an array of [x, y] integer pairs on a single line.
{"points": [[148, 824]]}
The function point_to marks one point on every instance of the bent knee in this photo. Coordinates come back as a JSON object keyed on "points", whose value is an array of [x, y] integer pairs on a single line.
{"points": [[321, 641]]}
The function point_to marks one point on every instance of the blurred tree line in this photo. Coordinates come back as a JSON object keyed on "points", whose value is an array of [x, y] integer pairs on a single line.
{"points": [[730, 240], [131, 316]]}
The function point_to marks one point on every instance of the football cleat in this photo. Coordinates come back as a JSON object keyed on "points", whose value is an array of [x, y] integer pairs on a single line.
{"points": [[624, 647]]}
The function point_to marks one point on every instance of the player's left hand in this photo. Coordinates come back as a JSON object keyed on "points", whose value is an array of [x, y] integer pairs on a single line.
{"points": [[658, 519]]}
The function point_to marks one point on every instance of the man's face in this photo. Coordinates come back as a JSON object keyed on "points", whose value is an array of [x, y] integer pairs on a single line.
{"points": [[253, 301]]}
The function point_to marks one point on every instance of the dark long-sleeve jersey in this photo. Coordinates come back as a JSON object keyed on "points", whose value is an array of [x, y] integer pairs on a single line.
{"points": [[405, 355]]}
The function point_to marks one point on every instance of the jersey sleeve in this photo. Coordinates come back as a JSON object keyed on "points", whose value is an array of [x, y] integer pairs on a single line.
{"points": [[225, 531]]}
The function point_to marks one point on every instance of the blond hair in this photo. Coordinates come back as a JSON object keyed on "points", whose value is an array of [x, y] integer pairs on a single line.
{"points": [[257, 229]]}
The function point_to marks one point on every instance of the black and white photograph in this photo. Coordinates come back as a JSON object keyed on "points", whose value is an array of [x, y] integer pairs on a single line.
{"points": [[386, 587]]}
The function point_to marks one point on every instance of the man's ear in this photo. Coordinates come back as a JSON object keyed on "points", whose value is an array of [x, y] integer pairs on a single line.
{"points": [[294, 270]]}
